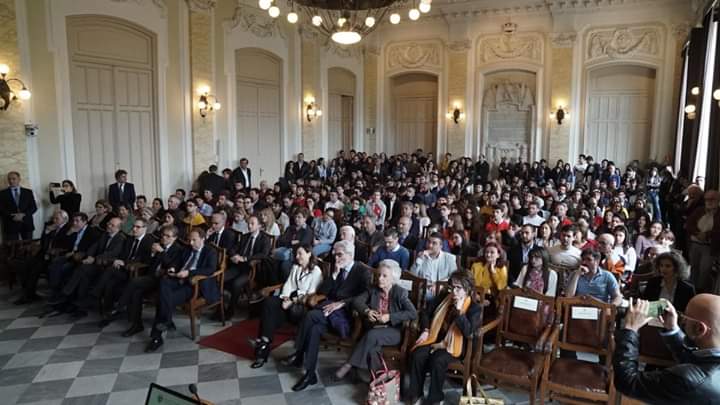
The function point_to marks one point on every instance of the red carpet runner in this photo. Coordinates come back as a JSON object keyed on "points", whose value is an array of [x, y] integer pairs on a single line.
{"points": [[234, 339]]}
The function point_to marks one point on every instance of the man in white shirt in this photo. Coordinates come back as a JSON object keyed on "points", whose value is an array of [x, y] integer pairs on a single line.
{"points": [[433, 264], [533, 218], [565, 254]]}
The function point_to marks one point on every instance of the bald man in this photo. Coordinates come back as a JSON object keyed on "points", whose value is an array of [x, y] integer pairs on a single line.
{"points": [[695, 379], [703, 227]]}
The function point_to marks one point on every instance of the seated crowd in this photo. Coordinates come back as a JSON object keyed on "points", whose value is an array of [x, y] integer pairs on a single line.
{"points": [[304, 249]]}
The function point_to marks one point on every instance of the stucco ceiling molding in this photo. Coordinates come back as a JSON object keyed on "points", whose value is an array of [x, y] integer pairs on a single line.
{"points": [[157, 3], [258, 24], [414, 55], [637, 41]]}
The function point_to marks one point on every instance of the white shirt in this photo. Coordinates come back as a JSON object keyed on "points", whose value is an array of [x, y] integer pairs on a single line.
{"points": [[569, 257], [303, 282], [535, 220]]}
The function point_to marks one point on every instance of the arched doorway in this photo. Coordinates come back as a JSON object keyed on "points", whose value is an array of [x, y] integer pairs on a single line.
{"points": [[414, 109], [259, 111], [341, 108], [114, 104], [619, 113]]}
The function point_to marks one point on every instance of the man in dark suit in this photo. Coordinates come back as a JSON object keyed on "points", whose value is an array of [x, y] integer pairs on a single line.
{"points": [[213, 181], [100, 255], [520, 245], [407, 240], [218, 234], [136, 253], [243, 174], [302, 168], [166, 256], [121, 192], [349, 280], [17, 206], [254, 245], [175, 287]]}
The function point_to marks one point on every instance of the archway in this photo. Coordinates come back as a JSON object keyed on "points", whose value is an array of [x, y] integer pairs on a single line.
{"points": [[413, 112]]}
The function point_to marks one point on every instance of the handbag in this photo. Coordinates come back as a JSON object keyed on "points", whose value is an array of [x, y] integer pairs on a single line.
{"points": [[384, 387], [470, 399]]}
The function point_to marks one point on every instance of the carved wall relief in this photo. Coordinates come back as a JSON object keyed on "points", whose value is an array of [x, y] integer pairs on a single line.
{"points": [[624, 42], [259, 25], [413, 55], [510, 46]]}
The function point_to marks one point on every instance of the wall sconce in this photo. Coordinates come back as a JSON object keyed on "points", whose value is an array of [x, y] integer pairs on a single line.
{"points": [[207, 102], [456, 115], [311, 110], [690, 111], [6, 93], [560, 114], [716, 96]]}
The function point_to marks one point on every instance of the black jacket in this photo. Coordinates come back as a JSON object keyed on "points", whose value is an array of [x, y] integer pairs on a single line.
{"points": [[467, 323], [260, 249], [684, 291], [206, 265], [107, 248], [227, 240], [356, 283], [213, 182], [171, 257], [69, 202], [238, 177], [25, 206], [303, 235], [694, 380], [116, 199], [142, 254]]}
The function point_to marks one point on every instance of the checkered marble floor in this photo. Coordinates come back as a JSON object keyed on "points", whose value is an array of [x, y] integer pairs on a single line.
{"points": [[56, 361]]}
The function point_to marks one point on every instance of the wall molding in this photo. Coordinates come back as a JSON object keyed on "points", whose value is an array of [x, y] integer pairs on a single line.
{"points": [[201, 6], [427, 54], [563, 39], [510, 46], [157, 3], [624, 41], [251, 21]]}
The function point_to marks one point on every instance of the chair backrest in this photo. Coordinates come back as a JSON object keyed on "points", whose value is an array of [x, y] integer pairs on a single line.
{"points": [[221, 261], [588, 325], [563, 273], [418, 289], [652, 348], [524, 315]]}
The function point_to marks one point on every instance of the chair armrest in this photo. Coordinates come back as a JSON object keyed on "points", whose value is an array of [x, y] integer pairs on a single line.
{"points": [[197, 279], [551, 342], [268, 291], [540, 345], [315, 299], [134, 268], [489, 326]]}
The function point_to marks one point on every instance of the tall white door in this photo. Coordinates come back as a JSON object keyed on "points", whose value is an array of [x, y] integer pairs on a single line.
{"points": [[415, 124], [113, 102], [335, 124], [619, 113], [347, 122], [259, 113]]}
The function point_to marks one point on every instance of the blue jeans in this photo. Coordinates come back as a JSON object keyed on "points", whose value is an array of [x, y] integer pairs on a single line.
{"points": [[284, 255], [654, 197], [321, 249]]}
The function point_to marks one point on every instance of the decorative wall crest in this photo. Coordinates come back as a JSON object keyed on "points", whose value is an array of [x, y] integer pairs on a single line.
{"points": [[201, 5], [510, 46], [412, 55], [623, 42], [563, 39], [157, 3], [508, 93], [259, 25]]}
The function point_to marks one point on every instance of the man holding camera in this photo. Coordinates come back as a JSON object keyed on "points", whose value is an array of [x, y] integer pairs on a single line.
{"points": [[696, 348]]}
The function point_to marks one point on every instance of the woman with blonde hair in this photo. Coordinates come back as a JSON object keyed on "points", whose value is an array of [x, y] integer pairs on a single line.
{"points": [[267, 219]]}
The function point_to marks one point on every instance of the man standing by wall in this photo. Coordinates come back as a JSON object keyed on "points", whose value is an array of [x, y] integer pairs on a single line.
{"points": [[17, 206]]}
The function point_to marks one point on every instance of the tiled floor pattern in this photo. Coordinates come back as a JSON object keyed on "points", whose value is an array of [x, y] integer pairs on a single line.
{"points": [[56, 361]]}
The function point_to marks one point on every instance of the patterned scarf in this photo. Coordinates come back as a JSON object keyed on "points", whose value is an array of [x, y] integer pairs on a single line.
{"points": [[453, 338]]}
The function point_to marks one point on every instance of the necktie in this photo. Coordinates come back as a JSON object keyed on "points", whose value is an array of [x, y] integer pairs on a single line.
{"points": [[216, 238], [122, 190], [16, 196], [250, 247], [191, 261], [343, 275], [133, 249]]}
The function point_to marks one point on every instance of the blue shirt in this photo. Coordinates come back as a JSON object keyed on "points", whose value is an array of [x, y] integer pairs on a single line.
{"points": [[600, 286], [401, 255]]}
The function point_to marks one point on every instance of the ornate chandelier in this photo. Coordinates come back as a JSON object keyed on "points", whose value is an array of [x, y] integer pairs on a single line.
{"points": [[347, 22]]}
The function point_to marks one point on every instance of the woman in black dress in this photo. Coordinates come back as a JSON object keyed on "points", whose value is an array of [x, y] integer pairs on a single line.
{"points": [[69, 200]]}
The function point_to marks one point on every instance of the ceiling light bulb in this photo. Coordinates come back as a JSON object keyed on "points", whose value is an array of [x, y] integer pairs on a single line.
{"points": [[24, 94], [202, 105], [346, 37], [414, 14], [395, 18], [690, 108], [370, 21], [274, 11], [292, 17], [264, 4], [342, 21], [217, 106], [716, 94], [4, 69], [695, 91], [317, 20], [424, 7]]}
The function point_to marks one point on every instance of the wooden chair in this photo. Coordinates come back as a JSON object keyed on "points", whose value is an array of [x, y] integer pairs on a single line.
{"points": [[397, 355], [13, 255], [197, 304], [583, 324], [525, 320], [257, 263], [653, 350], [564, 274]]}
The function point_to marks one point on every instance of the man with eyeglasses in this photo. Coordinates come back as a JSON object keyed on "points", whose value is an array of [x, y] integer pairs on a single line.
{"points": [[218, 235], [695, 379], [136, 253], [166, 256]]}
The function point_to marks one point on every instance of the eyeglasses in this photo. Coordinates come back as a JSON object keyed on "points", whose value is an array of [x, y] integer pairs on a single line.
{"points": [[684, 319], [457, 287]]}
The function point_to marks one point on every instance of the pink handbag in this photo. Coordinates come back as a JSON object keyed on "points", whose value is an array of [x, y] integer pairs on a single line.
{"points": [[384, 387]]}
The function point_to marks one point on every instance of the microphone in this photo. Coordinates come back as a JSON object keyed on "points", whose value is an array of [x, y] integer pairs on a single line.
{"points": [[194, 391]]}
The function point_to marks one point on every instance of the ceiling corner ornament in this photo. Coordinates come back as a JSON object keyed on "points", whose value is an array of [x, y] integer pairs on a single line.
{"points": [[256, 24], [459, 46], [563, 39], [510, 45], [680, 31], [157, 3], [202, 6], [622, 42], [413, 55]]}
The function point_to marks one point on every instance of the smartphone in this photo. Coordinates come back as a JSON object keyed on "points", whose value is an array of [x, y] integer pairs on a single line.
{"points": [[657, 308]]}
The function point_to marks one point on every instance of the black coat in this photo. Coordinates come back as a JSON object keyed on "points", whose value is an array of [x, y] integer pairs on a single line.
{"points": [[694, 380], [126, 198], [227, 239], [171, 257], [142, 254], [206, 265], [260, 249], [303, 235], [237, 177], [107, 248], [684, 291], [213, 182], [69, 202], [88, 239], [25, 206], [467, 323], [355, 284]]}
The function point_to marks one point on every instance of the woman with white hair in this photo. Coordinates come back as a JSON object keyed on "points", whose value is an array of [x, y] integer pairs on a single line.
{"points": [[384, 307]]}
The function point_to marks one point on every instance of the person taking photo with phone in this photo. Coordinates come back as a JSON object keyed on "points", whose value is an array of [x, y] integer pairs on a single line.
{"points": [[694, 340]]}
